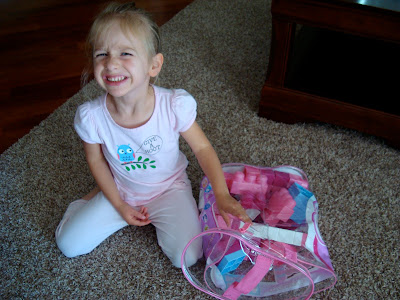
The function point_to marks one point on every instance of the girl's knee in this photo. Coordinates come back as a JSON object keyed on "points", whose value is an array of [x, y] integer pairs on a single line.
{"points": [[69, 247], [192, 254], [190, 258], [65, 247], [64, 238]]}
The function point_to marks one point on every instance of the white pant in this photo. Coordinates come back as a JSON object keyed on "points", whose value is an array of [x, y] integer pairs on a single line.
{"points": [[174, 214]]}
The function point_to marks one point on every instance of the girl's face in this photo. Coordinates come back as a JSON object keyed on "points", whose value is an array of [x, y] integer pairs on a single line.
{"points": [[121, 64]]}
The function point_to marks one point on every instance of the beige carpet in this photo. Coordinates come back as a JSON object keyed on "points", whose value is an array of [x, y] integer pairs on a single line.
{"points": [[217, 50]]}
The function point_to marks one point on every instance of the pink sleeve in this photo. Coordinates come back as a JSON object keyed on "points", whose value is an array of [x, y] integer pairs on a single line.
{"points": [[85, 126], [185, 109]]}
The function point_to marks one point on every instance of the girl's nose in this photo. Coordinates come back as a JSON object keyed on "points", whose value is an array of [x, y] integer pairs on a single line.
{"points": [[112, 63]]}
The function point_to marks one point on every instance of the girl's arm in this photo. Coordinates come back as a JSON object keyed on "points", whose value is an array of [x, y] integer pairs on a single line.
{"points": [[211, 166], [102, 174]]}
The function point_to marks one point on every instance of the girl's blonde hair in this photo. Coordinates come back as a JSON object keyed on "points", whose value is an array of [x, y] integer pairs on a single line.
{"points": [[132, 21]]}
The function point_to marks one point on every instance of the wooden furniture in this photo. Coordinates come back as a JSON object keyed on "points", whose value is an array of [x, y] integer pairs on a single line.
{"points": [[378, 20]]}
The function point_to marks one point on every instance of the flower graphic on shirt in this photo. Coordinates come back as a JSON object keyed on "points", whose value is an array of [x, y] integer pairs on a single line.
{"points": [[127, 156]]}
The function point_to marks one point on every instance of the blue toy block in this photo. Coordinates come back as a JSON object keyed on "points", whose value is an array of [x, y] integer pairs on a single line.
{"points": [[231, 261], [301, 196]]}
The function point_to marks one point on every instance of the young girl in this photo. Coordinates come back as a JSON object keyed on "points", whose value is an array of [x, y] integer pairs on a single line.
{"points": [[130, 137]]}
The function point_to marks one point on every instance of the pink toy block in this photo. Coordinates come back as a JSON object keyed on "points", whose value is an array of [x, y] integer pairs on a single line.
{"points": [[228, 179], [286, 250], [279, 208], [269, 218], [269, 174], [252, 170], [272, 218], [248, 201], [262, 180], [261, 201], [239, 188], [280, 199], [252, 201], [238, 176], [281, 179], [250, 180]]}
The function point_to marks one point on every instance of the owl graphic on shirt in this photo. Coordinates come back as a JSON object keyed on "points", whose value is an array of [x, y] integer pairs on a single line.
{"points": [[126, 154]]}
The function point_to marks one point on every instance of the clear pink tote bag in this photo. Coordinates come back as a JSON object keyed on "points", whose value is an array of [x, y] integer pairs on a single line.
{"points": [[280, 256]]}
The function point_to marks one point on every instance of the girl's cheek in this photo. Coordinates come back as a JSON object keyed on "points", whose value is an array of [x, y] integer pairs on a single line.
{"points": [[97, 70]]}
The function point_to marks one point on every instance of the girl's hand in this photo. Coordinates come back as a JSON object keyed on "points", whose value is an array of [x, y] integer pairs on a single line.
{"points": [[134, 217], [229, 205]]}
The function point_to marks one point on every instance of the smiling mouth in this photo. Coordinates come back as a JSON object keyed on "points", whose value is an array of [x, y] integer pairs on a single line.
{"points": [[116, 78]]}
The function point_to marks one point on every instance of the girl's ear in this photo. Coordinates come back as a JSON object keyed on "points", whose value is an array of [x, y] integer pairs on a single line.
{"points": [[156, 65]]}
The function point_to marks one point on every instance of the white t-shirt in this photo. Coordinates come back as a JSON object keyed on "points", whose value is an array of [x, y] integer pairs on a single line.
{"points": [[146, 160]]}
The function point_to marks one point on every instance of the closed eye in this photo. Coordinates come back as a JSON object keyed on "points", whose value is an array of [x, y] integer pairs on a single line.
{"points": [[100, 54]]}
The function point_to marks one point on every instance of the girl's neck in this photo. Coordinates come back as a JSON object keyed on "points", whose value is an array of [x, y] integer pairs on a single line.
{"points": [[132, 112]]}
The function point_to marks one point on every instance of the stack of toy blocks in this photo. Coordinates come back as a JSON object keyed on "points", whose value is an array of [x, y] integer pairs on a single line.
{"points": [[277, 195]]}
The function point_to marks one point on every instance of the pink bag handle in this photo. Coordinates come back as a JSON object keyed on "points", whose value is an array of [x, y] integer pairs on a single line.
{"points": [[250, 280]]}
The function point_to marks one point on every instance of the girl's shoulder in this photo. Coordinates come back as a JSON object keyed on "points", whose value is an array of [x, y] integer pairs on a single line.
{"points": [[179, 104], [87, 112], [87, 120], [175, 98]]}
